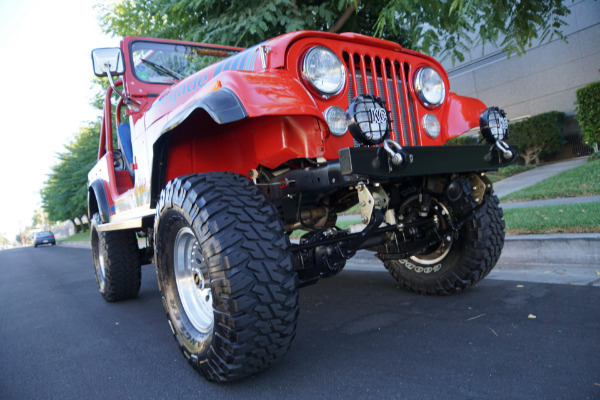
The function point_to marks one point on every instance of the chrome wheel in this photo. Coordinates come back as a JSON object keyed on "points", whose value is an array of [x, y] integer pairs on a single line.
{"points": [[100, 267], [192, 281]]}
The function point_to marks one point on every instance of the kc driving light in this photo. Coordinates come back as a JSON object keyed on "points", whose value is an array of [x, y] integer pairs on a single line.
{"points": [[368, 119], [493, 125], [430, 87], [324, 71]]}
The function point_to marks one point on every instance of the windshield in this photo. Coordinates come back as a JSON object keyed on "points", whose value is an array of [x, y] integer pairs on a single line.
{"points": [[170, 62]]}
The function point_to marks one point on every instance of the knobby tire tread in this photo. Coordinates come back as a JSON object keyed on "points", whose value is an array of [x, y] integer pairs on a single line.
{"points": [[481, 243], [255, 296], [123, 274]]}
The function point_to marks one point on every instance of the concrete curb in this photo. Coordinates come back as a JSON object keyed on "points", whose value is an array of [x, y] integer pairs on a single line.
{"points": [[78, 245], [576, 248], [566, 249], [572, 259]]}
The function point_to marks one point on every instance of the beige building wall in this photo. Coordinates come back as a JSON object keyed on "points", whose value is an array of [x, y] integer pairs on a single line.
{"points": [[545, 78]]}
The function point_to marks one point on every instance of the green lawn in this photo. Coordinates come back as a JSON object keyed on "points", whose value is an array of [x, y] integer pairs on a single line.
{"points": [[566, 218], [581, 181], [78, 237]]}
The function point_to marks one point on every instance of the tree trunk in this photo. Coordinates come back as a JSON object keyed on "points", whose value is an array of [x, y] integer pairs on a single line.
{"points": [[77, 227], [344, 17], [532, 154]]}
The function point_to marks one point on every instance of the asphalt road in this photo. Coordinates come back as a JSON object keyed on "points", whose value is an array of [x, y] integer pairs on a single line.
{"points": [[359, 336]]}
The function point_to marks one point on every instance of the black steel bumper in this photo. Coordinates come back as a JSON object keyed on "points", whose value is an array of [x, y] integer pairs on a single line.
{"points": [[375, 162]]}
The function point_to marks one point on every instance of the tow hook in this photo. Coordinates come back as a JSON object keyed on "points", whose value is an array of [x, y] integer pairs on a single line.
{"points": [[398, 157]]}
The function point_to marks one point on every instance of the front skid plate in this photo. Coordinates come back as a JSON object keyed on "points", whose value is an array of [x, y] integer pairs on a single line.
{"points": [[426, 160]]}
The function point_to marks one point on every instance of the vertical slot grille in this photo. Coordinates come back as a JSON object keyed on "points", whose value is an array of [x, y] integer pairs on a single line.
{"points": [[368, 75]]}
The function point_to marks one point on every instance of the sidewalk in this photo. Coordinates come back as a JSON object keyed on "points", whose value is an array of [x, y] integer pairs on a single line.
{"points": [[536, 175]]}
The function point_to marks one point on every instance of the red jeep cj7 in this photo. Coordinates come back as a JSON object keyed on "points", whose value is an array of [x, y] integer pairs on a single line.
{"points": [[224, 152]]}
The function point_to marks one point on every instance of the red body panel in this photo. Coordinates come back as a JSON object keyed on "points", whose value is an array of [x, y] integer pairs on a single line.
{"points": [[462, 114], [268, 141], [285, 116]]}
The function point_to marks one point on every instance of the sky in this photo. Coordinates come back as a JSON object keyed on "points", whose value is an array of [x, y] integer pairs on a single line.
{"points": [[45, 80]]}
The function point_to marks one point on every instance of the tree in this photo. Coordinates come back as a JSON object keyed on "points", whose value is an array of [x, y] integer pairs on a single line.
{"points": [[436, 27], [448, 28], [39, 219], [64, 195]]}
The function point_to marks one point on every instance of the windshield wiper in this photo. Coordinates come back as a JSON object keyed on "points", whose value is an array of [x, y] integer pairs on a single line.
{"points": [[162, 69]]}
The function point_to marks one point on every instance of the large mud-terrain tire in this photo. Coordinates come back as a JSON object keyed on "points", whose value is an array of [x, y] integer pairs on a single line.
{"points": [[472, 255], [116, 262], [225, 274]]}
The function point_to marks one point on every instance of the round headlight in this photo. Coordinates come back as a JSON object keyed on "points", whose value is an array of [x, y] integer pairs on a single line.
{"points": [[431, 125], [430, 87], [493, 124], [368, 119], [336, 120], [324, 70]]}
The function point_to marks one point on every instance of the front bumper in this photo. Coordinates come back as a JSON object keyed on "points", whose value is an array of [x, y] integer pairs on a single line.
{"points": [[374, 164]]}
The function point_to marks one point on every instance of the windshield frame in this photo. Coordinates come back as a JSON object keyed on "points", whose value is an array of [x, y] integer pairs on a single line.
{"points": [[226, 50]]}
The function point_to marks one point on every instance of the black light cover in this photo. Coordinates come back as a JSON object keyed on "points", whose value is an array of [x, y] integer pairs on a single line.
{"points": [[369, 121], [493, 125]]}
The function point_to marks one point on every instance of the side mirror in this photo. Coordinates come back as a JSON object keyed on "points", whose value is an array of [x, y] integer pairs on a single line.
{"points": [[108, 60]]}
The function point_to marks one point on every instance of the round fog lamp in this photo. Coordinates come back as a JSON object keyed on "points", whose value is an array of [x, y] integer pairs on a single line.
{"points": [[493, 125], [431, 125], [368, 119], [336, 120]]}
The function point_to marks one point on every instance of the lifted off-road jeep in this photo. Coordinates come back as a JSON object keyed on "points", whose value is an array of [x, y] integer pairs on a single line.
{"points": [[224, 152]]}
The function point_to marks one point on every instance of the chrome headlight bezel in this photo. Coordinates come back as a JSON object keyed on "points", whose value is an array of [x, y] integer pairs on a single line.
{"points": [[430, 87], [324, 71]]}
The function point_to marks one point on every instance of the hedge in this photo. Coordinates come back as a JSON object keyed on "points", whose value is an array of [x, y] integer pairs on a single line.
{"points": [[588, 112], [538, 136]]}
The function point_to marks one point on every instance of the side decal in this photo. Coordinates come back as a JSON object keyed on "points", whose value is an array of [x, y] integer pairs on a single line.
{"points": [[243, 61]]}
